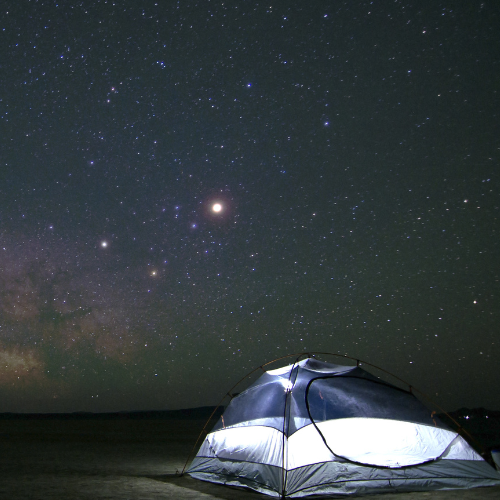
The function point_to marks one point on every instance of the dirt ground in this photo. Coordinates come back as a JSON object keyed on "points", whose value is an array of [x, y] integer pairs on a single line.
{"points": [[123, 459]]}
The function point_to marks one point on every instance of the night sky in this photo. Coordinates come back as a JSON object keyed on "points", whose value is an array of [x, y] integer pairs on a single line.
{"points": [[192, 189]]}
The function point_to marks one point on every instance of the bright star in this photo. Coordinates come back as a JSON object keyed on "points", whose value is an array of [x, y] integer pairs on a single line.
{"points": [[218, 207]]}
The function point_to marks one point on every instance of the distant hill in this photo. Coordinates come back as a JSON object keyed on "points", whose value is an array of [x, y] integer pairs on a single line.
{"points": [[482, 426], [201, 413]]}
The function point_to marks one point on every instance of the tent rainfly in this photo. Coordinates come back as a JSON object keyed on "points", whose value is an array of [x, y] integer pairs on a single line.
{"points": [[318, 428]]}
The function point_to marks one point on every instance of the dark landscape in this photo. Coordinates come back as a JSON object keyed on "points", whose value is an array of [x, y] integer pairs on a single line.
{"points": [[140, 455]]}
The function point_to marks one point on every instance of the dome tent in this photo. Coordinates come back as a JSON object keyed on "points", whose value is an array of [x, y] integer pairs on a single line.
{"points": [[318, 428]]}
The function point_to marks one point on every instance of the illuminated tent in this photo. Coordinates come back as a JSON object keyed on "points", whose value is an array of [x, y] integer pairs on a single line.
{"points": [[319, 428]]}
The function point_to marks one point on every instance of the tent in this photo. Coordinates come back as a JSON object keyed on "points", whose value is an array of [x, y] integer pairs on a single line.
{"points": [[318, 428]]}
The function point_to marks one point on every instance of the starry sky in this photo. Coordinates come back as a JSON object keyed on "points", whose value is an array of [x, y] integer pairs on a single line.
{"points": [[190, 189]]}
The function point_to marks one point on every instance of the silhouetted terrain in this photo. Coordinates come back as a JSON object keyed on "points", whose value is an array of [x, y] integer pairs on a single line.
{"points": [[482, 426], [188, 413]]}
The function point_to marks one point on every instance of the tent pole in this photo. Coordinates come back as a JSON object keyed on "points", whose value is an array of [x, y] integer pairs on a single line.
{"points": [[286, 428]]}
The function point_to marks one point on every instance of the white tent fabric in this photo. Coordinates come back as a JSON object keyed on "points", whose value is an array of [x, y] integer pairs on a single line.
{"points": [[324, 429]]}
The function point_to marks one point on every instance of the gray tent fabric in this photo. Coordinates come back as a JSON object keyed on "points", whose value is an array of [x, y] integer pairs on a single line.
{"points": [[315, 428], [495, 455]]}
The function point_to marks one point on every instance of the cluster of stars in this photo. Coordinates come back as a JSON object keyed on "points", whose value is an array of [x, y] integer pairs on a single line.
{"points": [[213, 187]]}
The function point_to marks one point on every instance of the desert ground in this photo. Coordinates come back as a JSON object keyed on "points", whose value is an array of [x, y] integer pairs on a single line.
{"points": [[122, 458]]}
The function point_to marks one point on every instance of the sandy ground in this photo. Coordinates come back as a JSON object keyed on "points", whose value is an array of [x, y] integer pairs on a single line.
{"points": [[123, 459]]}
